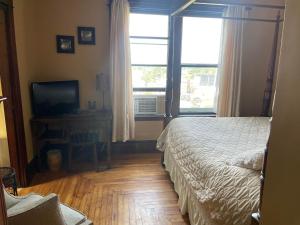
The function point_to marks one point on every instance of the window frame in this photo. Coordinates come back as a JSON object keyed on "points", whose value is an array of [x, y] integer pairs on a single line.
{"points": [[173, 110], [153, 117], [174, 65]]}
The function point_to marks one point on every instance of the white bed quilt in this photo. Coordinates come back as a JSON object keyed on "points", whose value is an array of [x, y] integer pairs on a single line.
{"points": [[202, 148]]}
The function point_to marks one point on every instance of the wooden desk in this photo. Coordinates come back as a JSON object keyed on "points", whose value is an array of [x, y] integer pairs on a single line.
{"points": [[42, 126]]}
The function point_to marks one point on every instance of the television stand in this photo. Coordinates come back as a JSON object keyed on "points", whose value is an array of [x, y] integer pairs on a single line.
{"points": [[59, 129]]}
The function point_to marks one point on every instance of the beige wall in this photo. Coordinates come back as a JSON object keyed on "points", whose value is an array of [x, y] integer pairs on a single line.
{"points": [[63, 17], [258, 41], [38, 22], [49, 18], [26, 52], [148, 130], [282, 189]]}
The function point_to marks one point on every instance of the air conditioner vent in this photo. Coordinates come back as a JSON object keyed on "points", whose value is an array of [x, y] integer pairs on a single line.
{"points": [[145, 104]]}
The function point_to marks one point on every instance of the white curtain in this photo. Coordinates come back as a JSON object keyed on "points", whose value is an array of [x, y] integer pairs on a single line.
{"points": [[120, 68], [230, 69]]}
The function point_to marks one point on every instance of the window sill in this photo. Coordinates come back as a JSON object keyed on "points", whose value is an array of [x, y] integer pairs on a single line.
{"points": [[163, 117], [197, 115], [149, 117]]}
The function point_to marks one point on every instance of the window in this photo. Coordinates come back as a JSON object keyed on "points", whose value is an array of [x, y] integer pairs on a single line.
{"points": [[201, 39], [149, 57]]}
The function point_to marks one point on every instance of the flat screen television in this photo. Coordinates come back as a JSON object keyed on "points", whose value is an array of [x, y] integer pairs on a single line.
{"points": [[55, 98]]}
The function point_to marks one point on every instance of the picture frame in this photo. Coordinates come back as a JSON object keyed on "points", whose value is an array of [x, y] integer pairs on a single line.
{"points": [[86, 35], [65, 44]]}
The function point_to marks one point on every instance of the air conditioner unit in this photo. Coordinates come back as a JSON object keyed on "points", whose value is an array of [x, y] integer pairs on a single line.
{"points": [[145, 104]]}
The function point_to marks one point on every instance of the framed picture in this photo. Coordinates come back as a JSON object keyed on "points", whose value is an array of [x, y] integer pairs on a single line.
{"points": [[86, 35], [65, 44]]}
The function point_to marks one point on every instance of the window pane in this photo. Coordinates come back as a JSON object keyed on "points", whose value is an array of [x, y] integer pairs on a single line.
{"points": [[148, 93], [144, 53], [198, 89], [149, 57], [148, 25], [149, 41], [201, 39], [149, 77]]}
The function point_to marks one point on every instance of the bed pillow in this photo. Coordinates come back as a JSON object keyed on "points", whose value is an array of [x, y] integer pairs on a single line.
{"points": [[253, 159]]}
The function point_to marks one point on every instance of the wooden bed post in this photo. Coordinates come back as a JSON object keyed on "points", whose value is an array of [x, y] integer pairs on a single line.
{"points": [[169, 90], [272, 70], [256, 216], [265, 112], [174, 69]]}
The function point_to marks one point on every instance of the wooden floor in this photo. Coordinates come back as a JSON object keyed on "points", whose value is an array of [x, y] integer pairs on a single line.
{"points": [[136, 191]]}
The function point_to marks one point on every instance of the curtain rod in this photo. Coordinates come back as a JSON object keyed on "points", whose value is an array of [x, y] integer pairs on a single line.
{"points": [[240, 4], [223, 3], [245, 19], [278, 19]]}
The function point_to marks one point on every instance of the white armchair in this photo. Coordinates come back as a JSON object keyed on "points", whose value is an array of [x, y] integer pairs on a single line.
{"points": [[34, 209]]}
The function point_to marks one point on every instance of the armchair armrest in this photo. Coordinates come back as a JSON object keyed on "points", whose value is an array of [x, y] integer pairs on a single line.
{"points": [[11, 200], [43, 212]]}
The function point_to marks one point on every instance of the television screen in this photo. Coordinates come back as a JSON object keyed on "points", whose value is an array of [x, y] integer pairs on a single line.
{"points": [[55, 98]]}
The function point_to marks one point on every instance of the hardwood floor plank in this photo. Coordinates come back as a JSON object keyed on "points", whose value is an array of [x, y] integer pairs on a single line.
{"points": [[136, 191]]}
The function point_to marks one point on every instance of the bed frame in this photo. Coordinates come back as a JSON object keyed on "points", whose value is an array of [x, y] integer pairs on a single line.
{"points": [[268, 93]]}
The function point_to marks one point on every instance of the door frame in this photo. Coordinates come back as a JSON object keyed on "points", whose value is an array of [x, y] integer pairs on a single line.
{"points": [[14, 122]]}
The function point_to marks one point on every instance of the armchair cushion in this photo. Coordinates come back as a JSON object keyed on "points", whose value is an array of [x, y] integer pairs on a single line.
{"points": [[23, 203], [45, 211], [69, 216], [39, 210], [11, 200]]}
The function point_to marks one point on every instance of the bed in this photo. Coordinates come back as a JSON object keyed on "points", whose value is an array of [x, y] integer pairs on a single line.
{"points": [[200, 156]]}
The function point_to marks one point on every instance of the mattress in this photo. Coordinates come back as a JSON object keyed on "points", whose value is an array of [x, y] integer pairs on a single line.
{"points": [[197, 152]]}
